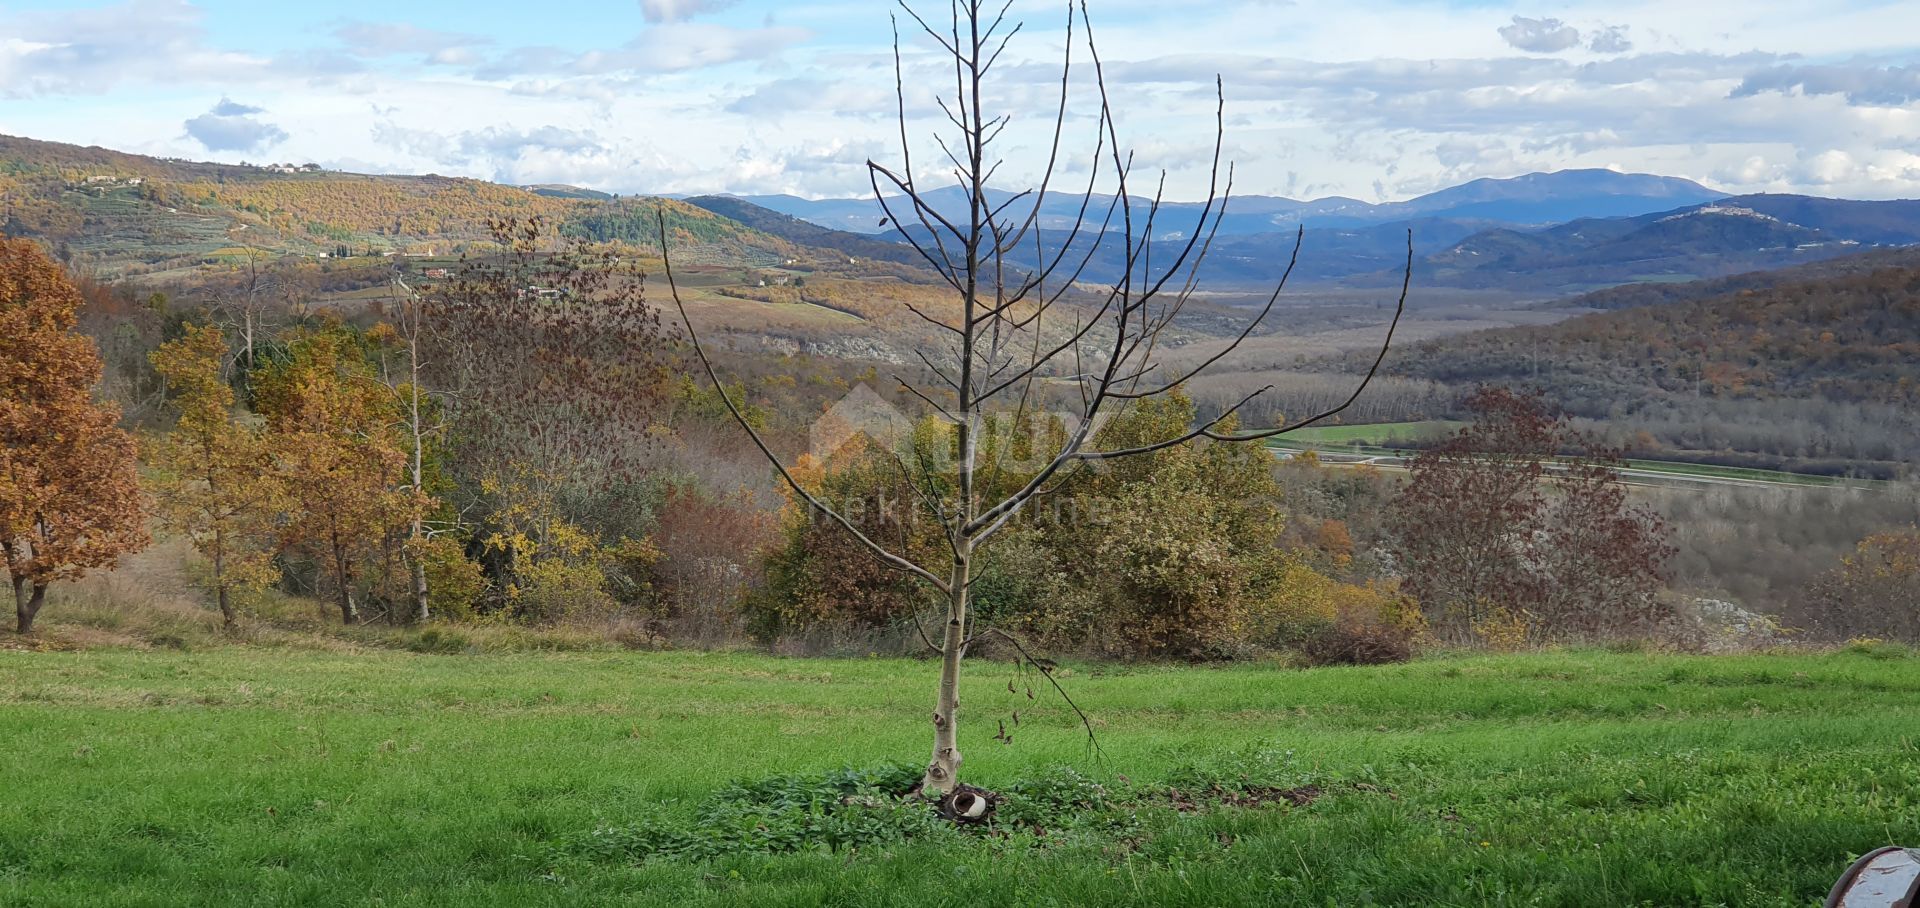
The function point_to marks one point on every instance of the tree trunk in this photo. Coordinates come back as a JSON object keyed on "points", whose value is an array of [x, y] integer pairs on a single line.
{"points": [[349, 613], [419, 570], [419, 465], [943, 771], [27, 605], [343, 581], [227, 618]]}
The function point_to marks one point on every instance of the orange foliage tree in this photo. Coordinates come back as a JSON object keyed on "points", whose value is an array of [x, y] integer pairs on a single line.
{"points": [[70, 497], [215, 475], [332, 426]]}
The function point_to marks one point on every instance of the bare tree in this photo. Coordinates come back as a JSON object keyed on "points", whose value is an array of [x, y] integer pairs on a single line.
{"points": [[996, 342], [419, 425], [246, 308]]}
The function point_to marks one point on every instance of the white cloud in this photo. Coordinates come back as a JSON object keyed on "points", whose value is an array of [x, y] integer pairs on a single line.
{"points": [[381, 39], [1324, 96], [232, 126], [90, 51], [1540, 36], [1861, 82], [1611, 39], [680, 10]]}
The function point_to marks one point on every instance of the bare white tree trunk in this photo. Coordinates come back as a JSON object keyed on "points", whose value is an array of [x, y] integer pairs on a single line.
{"points": [[943, 771], [419, 473]]}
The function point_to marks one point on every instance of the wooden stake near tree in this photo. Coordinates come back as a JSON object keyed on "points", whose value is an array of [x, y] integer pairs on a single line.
{"points": [[70, 499], [1008, 282]]}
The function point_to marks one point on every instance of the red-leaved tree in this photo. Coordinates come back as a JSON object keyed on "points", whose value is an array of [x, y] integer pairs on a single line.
{"points": [[1518, 529]]}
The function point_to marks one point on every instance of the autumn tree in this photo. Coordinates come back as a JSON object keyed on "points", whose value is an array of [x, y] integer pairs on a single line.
{"points": [[217, 486], [70, 499], [1874, 592], [336, 451], [552, 367], [1518, 527], [1019, 312]]}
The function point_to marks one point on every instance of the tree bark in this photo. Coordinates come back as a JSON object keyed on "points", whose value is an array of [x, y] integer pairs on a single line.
{"points": [[227, 618], [419, 460], [27, 605], [343, 582], [420, 613], [943, 771]]}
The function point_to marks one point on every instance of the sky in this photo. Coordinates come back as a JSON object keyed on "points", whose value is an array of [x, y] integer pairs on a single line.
{"points": [[1372, 100]]}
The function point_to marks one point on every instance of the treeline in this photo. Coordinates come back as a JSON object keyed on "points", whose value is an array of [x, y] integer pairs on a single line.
{"points": [[1817, 374], [1628, 296], [522, 446]]}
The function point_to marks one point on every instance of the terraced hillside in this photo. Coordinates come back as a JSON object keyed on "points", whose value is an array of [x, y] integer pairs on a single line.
{"points": [[121, 214]]}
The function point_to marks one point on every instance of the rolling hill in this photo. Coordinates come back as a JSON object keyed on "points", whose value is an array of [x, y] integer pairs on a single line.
{"points": [[1627, 296], [1724, 237], [806, 233], [1817, 369], [1853, 337], [121, 214]]}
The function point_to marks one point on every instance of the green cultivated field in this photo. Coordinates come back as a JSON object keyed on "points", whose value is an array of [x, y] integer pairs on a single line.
{"points": [[1372, 433], [1389, 440], [266, 776]]}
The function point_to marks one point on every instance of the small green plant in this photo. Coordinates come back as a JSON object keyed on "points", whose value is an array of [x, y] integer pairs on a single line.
{"points": [[851, 809], [1876, 648], [840, 811]]}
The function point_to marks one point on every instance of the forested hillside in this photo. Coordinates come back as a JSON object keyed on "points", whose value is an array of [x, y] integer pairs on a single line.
{"points": [[1653, 294], [126, 214], [1824, 367]]}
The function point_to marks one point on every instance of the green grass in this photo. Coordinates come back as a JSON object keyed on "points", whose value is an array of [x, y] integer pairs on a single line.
{"points": [[1386, 440], [269, 776], [1373, 433]]}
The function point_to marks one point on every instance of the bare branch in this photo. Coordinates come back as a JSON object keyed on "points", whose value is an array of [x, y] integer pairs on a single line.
{"points": [[890, 558]]}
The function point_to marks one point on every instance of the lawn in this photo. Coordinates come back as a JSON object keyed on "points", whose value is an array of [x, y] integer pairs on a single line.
{"points": [[282, 776]]}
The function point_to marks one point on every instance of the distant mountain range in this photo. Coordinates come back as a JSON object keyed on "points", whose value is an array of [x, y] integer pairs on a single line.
{"points": [[1551, 234], [1722, 237], [1548, 234], [1533, 199]]}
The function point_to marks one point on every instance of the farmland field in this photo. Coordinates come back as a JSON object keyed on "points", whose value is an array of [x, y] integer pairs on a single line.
{"points": [[266, 775], [1377, 434]]}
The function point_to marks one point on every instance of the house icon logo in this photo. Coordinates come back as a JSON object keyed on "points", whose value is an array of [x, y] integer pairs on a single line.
{"points": [[860, 412]]}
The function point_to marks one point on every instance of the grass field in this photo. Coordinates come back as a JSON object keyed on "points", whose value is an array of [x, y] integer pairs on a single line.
{"points": [[1389, 440], [270, 776], [1373, 433]]}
